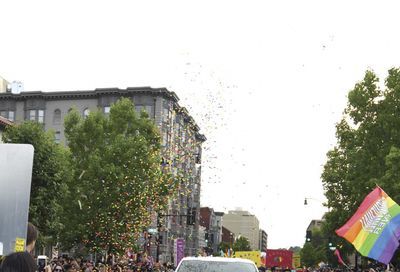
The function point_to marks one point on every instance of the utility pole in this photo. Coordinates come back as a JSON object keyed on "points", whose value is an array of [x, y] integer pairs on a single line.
{"points": [[191, 220]]}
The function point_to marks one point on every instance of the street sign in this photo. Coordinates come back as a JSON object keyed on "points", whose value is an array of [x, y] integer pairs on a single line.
{"points": [[16, 161], [152, 231]]}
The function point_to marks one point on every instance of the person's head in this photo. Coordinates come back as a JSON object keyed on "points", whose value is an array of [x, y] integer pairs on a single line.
{"points": [[58, 268], [18, 262], [31, 237], [69, 268]]}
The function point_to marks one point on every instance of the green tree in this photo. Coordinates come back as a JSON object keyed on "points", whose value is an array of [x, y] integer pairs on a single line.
{"points": [[224, 246], [119, 180], [241, 244], [307, 255], [50, 176], [367, 150], [316, 250]]}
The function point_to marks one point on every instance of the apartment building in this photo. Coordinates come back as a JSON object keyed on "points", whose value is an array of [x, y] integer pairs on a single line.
{"points": [[181, 142], [212, 221], [242, 223], [263, 243]]}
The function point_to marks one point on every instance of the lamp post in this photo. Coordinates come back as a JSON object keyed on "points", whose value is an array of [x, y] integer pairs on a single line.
{"points": [[314, 199]]}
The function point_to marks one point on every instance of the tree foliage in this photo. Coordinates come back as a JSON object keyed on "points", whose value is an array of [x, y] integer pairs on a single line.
{"points": [[119, 181], [367, 152], [314, 251], [241, 244], [224, 246], [50, 176], [318, 249]]}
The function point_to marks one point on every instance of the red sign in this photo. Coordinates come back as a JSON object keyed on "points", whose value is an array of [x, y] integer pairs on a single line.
{"points": [[279, 258]]}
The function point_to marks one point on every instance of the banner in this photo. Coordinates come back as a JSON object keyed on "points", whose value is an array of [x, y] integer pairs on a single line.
{"points": [[279, 258], [179, 250], [249, 255]]}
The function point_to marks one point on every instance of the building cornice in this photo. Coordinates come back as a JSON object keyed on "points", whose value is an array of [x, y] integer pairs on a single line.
{"points": [[91, 93], [98, 92]]}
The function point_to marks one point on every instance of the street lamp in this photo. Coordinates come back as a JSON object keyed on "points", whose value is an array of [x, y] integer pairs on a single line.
{"points": [[307, 199], [310, 198]]}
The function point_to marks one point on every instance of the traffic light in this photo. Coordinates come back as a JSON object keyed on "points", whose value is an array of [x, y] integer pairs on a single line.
{"points": [[308, 236], [191, 216], [331, 246]]}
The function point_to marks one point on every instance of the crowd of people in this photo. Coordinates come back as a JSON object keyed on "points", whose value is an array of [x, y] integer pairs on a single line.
{"points": [[23, 261], [26, 262]]}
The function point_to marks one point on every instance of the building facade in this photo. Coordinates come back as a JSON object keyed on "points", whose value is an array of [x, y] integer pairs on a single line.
{"points": [[181, 147], [212, 221], [3, 85], [228, 237], [242, 223], [263, 242], [218, 228]]}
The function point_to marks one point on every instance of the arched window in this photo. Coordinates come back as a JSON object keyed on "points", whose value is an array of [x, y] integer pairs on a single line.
{"points": [[57, 117], [86, 112]]}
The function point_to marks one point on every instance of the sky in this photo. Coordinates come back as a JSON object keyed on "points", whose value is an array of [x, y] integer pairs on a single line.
{"points": [[265, 80]]}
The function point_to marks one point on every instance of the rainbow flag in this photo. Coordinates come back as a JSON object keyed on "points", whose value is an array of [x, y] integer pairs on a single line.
{"points": [[374, 229]]}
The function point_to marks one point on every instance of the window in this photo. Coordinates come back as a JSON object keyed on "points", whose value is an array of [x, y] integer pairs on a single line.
{"points": [[57, 137], [106, 109], [165, 138], [166, 114], [7, 114], [138, 110], [149, 110], [32, 115], [36, 115], [11, 116], [40, 116], [183, 137], [57, 117], [86, 112]]}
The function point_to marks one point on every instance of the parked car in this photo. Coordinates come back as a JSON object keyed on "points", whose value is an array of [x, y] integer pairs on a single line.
{"points": [[215, 264]]}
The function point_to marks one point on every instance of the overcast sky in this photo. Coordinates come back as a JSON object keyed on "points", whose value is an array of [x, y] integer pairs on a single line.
{"points": [[265, 80]]}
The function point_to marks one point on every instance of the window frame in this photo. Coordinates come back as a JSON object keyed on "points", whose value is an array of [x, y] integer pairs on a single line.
{"points": [[57, 140], [57, 117]]}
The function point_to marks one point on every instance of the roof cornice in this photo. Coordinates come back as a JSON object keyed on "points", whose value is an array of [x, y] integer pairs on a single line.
{"points": [[90, 93]]}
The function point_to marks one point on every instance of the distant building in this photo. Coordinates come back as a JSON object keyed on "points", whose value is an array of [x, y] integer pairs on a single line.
{"points": [[263, 243], [242, 223], [202, 235], [218, 232], [228, 237], [3, 85], [314, 224], [212, 221], [13, 87]]}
